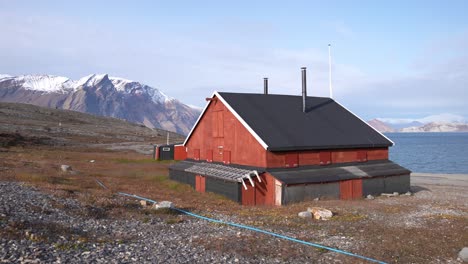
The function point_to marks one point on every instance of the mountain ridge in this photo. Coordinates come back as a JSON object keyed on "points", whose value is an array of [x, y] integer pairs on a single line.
{"points": [[103, 95]]}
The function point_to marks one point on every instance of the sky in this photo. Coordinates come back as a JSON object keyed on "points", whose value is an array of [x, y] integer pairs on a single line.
{"points": [[396, 60]]}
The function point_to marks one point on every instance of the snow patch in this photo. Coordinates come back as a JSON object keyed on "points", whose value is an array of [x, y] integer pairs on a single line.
{"points": [[4, 76], [51, 83], [45, 83]]}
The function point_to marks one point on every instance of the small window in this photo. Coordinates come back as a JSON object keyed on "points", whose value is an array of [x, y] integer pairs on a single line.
{"points": [[166, 149]]}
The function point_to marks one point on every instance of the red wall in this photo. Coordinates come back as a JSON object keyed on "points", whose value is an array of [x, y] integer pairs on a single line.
{"points": [[179, 152], [219, 131], [312, 157]]}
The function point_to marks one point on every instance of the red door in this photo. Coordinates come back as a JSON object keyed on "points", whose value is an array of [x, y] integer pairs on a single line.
{"points": [[325, 157], [209, 155], [291, 160], [196, 154], [248, 196], [200, 183], [227, 157], [362, 155], [351, 189]]}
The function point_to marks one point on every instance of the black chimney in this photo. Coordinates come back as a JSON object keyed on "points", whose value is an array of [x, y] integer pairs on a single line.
{"points": [[304, 89], [265, 85]]}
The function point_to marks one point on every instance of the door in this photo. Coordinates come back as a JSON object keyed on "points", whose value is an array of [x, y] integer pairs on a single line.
{"points": [[209, 155], [227, 157], [200, 182], [291, 160], [351, 189], [325, 157], [196, 154]]}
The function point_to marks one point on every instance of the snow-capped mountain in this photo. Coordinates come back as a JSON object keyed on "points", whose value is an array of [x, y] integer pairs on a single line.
{"points": [[101, 95]]}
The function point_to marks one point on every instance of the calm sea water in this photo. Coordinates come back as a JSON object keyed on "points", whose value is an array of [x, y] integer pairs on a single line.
{"points": [[431, 152]]}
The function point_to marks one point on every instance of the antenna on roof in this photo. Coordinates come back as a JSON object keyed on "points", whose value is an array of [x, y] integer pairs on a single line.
{"points": [[330, 71]]}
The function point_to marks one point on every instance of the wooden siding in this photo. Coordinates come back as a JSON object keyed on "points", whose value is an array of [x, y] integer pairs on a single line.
{"points": [[220, 131], [351, 189], [324, 157]]}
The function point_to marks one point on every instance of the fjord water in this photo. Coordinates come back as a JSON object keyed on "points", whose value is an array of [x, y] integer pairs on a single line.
{"points": [[431, 152]]}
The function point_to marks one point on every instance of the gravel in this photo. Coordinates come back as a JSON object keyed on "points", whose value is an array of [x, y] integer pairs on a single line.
{"points": [[36, 227]]}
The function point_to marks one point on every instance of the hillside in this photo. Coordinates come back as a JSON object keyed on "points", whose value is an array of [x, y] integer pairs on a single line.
{"points": [[101, 95], [438, 127], [24, 124], [380, 126]]}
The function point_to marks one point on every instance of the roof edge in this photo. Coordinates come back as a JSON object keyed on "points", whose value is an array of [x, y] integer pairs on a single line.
{"points": [[393, 143]]}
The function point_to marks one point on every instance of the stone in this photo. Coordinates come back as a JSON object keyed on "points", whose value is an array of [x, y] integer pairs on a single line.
{"points": [[370, 197], [320, 213], [144, 203], [163, 204], [390, 194], [317, 199], [463, 254], [305, 214], [65, 168], [408, 193], [92, 161]]}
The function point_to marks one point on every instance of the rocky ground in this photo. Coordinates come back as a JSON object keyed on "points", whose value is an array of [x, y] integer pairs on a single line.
{"points": [[41, 228]]}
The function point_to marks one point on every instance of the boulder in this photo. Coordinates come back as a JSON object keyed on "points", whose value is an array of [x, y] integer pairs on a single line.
{"points": [[65, 168], [320, 213], [162, 205], [463, 255], [305, 214]]}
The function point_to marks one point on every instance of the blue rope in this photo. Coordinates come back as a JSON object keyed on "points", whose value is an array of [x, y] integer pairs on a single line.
{"points": [[261, 231]]}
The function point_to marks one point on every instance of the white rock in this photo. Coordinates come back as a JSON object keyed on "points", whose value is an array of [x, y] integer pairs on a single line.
{"points": [[163, 204], [92, 161], [144, 203], [463, 255], [305, 214], [320, 213], [390, 194], [370, 197], [408, 193], [65, 168]]}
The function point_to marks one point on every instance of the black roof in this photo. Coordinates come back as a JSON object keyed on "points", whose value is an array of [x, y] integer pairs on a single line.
{"points": [[279, 121], [338, 172]]}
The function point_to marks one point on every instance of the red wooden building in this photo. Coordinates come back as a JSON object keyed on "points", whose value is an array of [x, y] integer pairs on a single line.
{"points": [[266, 149]]}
